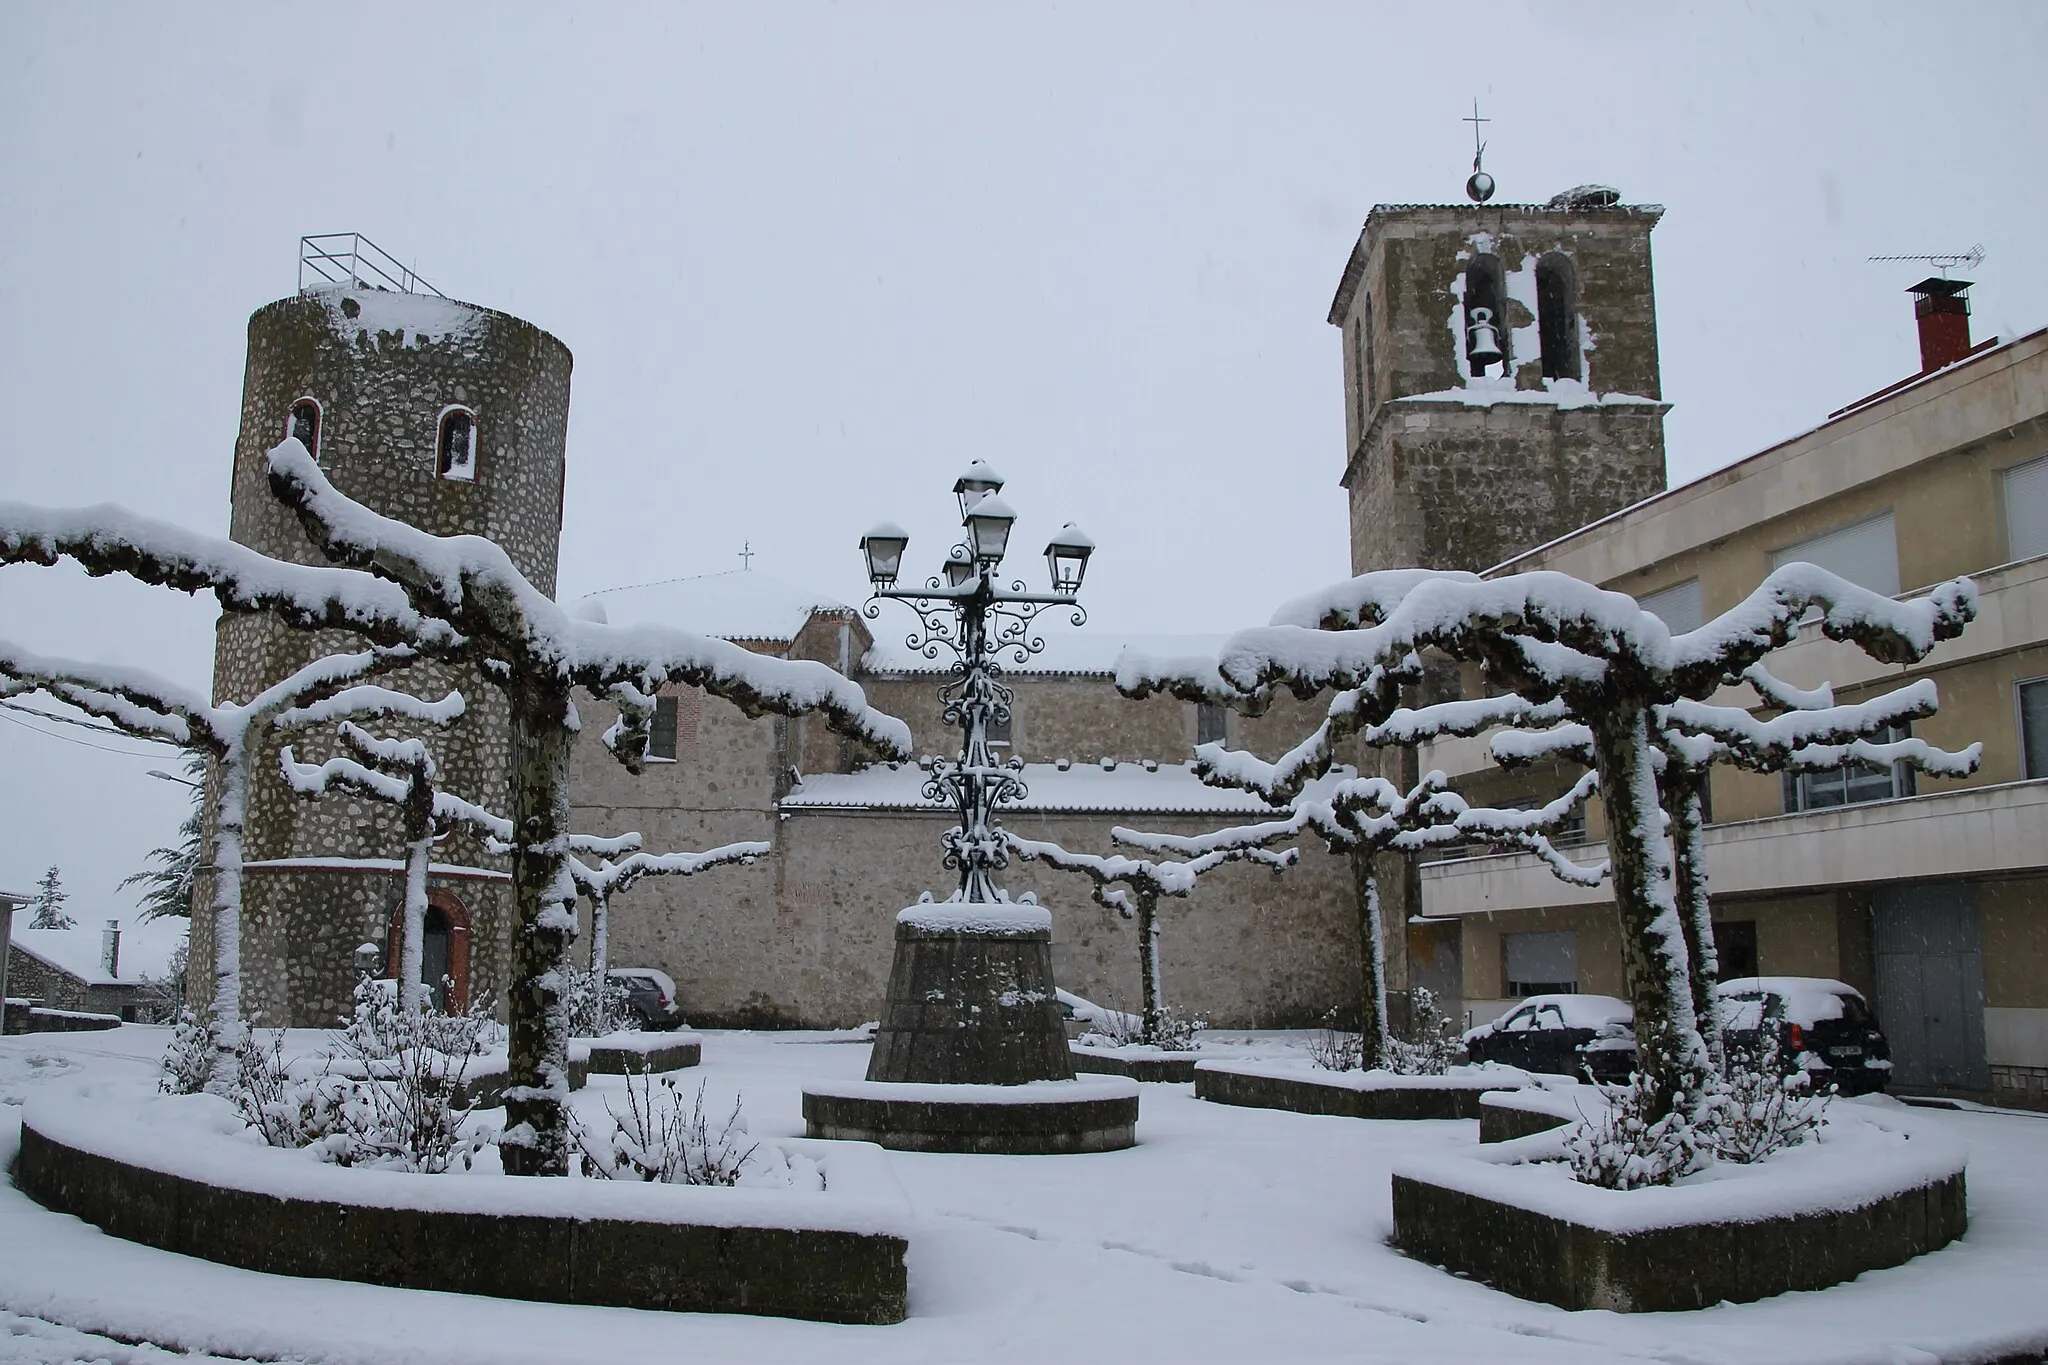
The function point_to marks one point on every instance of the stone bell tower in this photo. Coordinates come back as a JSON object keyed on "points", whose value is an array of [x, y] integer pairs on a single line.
{"points": [[1500, 376]]}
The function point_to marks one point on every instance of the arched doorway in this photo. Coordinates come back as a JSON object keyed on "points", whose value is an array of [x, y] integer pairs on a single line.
{"points": [[444, 950]]}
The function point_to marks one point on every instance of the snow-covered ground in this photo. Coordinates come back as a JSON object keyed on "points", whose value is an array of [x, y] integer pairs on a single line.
{"points": [[1225, 1235]]}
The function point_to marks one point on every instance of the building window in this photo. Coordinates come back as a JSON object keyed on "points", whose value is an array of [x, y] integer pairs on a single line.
{"points": [[304, 425], [1677, 607], [1486, 329], [1866, 553], [2026, 509], [1357, 381], [999, 724], [1542, 963], [1557, 315], [1852, 783], [662, 743], [455, 450], [1735, 946], [1212, 723], [2034, 726]]}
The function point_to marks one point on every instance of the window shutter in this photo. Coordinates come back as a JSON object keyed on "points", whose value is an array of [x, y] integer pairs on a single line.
{"points": [[1549, 957], [2034, 726], [1867, 554], [1677, 607], [2026, 509]]}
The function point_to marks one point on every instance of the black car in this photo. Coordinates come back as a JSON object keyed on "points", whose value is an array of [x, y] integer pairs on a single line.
{"points": [[1568, 1035], [650, 996], [1822, 1027]]}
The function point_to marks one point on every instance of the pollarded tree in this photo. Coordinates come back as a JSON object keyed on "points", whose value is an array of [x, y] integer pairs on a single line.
{"points": [[461, 597], [145, 705], [608, 879], [1549, 638], [1360, 817], [1132, 887], [401, 773]]}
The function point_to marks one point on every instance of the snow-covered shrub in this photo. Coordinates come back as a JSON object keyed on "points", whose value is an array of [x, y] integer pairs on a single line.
{"points": [[1624, 1148], [1178, 1033], [189, 1060], [1436, 1047], [1764, 1106], [379, 1027], [663, 1137], [1332, 1049], [580, 992]]}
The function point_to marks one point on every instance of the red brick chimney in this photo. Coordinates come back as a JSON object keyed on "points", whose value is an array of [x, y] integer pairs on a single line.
{"points": [[1942, 308]]}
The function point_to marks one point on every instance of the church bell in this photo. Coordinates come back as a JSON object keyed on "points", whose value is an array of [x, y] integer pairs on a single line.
{"points": [[1482, 346]]}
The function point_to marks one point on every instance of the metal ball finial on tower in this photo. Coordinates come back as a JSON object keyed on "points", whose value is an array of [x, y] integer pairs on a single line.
{"points": [[1479, 185]]}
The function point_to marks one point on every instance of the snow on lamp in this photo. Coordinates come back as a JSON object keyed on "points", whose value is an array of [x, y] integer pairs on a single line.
{"points": [[884, 546], [988, 528], [977, 483], [1066, 557]]}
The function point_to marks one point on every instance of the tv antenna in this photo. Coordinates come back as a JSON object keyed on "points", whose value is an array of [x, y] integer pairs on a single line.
{"points": [[1479, 186], [1972, 258]]}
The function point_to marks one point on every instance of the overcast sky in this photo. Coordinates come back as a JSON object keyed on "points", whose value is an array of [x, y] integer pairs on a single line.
{"points": [[813, 258]]}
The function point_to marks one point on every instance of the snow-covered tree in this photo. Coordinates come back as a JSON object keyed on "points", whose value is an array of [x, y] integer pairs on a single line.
{"points": [[167, 886], [1585, 657], [1132, 887], [145, 705], [49, 903], [399, 772], [461, 598], [607, 879], [1359, 817]]}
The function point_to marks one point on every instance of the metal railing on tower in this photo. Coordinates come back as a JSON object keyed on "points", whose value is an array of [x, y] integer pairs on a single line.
{"points": [[351, 258]]}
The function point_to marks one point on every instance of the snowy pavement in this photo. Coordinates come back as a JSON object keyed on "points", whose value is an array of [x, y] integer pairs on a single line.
{"points": [[1225, 1235]]}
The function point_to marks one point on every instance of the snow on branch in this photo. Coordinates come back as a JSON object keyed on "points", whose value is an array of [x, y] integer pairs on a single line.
{"points": [[1888, 630], [609, 878], [472, 584], [1784, 695], [1166, 878], [1362, 601], [1572, 742], [111, 539], [371, 701]]}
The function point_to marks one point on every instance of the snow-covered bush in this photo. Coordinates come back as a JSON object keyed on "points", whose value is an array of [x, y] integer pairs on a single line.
{"points": [[1763, 1105], [1636, 1141], [1332, 1049], [583, 991], [379, 1027], [663, 1137], [1435, 1047], [1177, 1032], [188, 1062]]}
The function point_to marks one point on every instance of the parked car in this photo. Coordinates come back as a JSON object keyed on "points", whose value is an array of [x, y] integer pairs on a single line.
{"points": [[1822, 1027], [1570, 1035], [650, 995]]}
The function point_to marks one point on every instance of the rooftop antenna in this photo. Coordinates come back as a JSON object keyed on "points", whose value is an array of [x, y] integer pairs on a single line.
{"points": [[1479, 186], [747, 555], [1972, 258]]}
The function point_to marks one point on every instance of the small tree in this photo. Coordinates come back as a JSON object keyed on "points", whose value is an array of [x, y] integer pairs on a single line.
{"points": [[143, 704], [49, 904], [1132, 887], [168, 885]]}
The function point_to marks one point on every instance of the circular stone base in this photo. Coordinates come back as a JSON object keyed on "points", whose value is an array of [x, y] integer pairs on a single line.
{"points": [[1039, 1119]]}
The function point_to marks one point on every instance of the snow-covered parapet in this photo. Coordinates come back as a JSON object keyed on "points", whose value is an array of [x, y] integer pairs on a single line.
{"points": [[977, 918]]}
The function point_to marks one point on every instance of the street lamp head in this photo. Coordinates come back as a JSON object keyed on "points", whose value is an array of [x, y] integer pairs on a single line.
{"points": [[988, 528], [977, 483], [1066, 556], [884, 546], [959, 566]]}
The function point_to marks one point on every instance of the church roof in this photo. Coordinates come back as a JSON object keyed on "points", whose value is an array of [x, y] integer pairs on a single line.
{"points": [[1163, 789], [739, 604]]}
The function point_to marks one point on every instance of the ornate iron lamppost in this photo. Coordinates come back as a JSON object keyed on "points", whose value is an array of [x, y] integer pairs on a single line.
{"points": [[971, 999], [969, 614]]}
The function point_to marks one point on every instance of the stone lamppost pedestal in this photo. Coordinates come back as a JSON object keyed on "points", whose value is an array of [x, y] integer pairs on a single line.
{"points": [[971, 1055]]}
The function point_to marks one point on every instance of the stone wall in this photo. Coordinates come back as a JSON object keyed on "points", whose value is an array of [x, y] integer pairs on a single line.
{"points": [[383, 368]]}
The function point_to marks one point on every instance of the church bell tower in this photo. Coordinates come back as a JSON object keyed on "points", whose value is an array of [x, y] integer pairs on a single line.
{"points": [[1500, 375]]}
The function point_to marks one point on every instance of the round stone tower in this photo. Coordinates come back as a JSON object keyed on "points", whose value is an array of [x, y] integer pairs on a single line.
{"points": [[451, 418]]}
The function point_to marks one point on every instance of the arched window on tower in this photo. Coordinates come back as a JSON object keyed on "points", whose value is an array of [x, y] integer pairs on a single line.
{"points": [[1486, 328], [455, 449], [304, 424], [1557, 315]]}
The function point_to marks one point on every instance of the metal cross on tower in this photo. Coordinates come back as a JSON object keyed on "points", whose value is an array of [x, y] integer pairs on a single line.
{"points": [[1479, 186]]}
